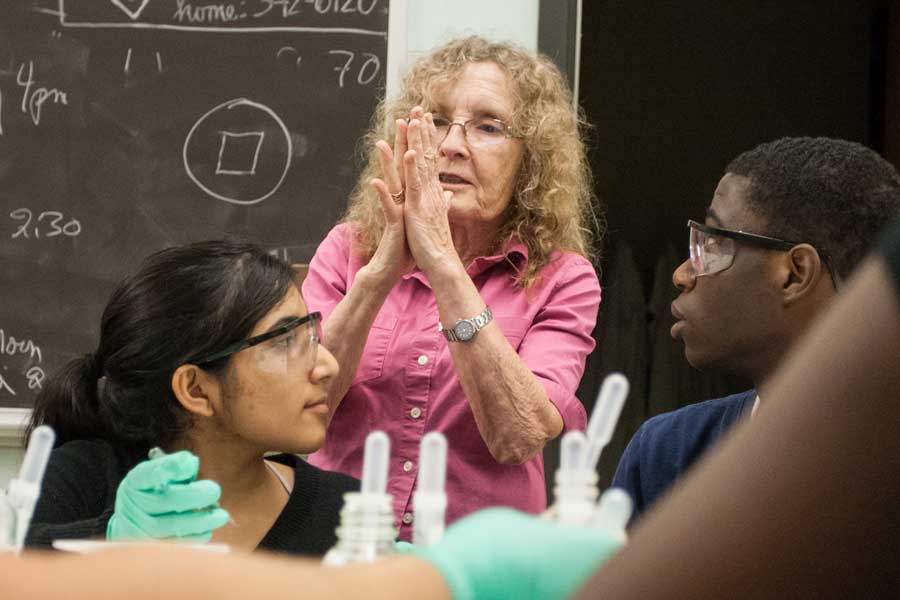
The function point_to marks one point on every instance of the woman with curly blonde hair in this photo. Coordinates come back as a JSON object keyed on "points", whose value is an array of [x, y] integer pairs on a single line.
{"points": [[458, 292]]}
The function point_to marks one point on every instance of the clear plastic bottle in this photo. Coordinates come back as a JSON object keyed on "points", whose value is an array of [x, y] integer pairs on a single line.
{"points": [[576, 488], [366, 533]]}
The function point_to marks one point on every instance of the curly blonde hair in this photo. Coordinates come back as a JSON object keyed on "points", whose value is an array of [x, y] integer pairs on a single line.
{"points": [[553, 206]]}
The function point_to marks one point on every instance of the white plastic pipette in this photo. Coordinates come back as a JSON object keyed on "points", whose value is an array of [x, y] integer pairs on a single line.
{"points": [[613, 511], [573, 452], [377, 452], [576, 485], [605, 415], [366, 532], [24, 490], [430, 499]]}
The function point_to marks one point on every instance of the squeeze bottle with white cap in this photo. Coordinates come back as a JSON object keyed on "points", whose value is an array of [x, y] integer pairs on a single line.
{"points": [[366, 533], [576, 487], [24, 490]]}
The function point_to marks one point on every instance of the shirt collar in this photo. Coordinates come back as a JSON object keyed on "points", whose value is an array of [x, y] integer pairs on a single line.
{"points": [[755, 406]]}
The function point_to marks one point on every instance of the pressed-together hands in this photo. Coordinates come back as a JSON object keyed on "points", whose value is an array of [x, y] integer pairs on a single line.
{"points": [[160, 498], [415, 205], [393, 253]]}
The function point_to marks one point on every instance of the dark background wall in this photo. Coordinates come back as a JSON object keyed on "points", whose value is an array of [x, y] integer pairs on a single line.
{"points": [[675, 90]]}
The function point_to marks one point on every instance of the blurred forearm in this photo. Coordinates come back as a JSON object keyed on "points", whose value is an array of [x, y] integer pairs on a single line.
{"points": [[178, 574]]}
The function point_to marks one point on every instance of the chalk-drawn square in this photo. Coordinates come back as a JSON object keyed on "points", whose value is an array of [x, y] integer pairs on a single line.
{"points": [[239, 152]]}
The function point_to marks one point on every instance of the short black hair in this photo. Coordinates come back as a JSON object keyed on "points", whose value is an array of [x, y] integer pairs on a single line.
{"points": [[834, 194]]}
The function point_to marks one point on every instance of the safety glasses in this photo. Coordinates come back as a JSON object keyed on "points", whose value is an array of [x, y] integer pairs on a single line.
{"points": [[712, 249], [286, 347]]}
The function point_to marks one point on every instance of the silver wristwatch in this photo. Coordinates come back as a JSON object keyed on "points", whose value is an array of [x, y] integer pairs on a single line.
{"points": [[465, 329]]}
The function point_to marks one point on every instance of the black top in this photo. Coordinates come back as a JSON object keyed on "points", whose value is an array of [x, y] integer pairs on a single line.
{"points": [[78, 496], [890, 249]]}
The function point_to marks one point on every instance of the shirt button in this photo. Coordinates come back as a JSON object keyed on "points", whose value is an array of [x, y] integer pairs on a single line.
{"points": [[423, 360], [407, 518], [415, 412], [407, 466]]}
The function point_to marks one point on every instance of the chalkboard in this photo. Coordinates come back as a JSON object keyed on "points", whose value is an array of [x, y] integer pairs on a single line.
{"points": [[127, 126]]}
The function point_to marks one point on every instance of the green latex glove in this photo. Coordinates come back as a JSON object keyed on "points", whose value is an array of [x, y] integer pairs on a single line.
{"points": [[500, 553], [159, 498]]}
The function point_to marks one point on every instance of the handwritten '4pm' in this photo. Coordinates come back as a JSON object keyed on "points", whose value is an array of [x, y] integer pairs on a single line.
{"points": [[34, 97]]}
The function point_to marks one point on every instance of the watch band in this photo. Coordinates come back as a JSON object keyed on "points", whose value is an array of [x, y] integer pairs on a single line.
{"points": [[465, 329]]}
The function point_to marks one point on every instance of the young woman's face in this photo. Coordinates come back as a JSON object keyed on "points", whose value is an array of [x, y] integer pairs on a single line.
{"points": [[274, 393]]}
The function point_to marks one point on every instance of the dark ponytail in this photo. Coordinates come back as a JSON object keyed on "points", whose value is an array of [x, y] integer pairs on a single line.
{"points": [[183, 301], [69, 402]]}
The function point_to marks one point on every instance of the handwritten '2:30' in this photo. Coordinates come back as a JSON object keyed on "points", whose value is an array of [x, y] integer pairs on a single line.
{"points": [[49, 223]]}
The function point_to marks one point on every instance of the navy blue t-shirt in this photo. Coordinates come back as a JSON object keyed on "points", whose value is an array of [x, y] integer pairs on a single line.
{"points": [[668, 444]]}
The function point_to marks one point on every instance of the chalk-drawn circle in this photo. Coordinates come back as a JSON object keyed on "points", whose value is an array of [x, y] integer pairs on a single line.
{"points": [[255, 187]]}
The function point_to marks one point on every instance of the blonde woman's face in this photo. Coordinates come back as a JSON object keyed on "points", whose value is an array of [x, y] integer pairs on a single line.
{"points": [[481, 177]]}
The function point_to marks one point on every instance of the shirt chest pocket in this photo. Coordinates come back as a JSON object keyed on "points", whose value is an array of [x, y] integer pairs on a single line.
{"points": [[513, 328], [377, 344]]}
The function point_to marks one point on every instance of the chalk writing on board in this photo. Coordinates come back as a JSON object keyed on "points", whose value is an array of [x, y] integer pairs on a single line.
{"points": [[367, 72], [32, 370], [142, 129], [209, 13], [34, 96], [132, 9], [289, 51], [49, 223], [245, 15], [211, 128]]}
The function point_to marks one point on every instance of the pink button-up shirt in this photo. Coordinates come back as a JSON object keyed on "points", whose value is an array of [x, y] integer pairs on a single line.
{"points": [[406, 384]]}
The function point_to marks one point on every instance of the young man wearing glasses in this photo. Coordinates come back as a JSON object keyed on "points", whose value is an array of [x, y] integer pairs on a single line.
{"points": [[787, 223]]}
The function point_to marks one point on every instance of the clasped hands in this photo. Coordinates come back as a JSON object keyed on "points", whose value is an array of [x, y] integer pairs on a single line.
{"points": [[415, 206]]}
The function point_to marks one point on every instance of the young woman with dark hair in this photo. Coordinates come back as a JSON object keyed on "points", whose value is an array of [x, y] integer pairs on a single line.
{"points": [[210, 354]]}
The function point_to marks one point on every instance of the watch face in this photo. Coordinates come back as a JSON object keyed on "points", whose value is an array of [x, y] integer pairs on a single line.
{"points": [[464, 330]]}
